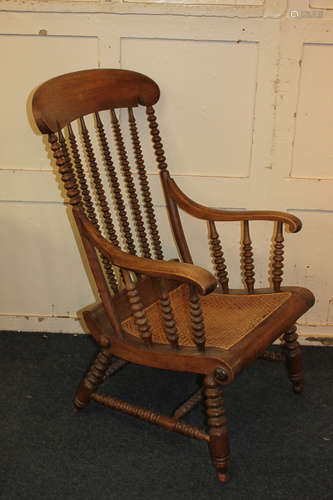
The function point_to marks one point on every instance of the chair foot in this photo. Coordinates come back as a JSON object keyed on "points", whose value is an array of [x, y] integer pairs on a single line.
{"points": [[294, 359], [219, 442], [298, 388], [223, 477]]}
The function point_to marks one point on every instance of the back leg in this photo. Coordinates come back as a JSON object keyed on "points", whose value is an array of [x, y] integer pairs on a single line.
{"points": [[219, 442], [294, 359]]}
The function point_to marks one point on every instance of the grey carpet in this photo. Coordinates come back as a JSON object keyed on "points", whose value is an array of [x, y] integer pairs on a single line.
{"points": [[281, 444]]}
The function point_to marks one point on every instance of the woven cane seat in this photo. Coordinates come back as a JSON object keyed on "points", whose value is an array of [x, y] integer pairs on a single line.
{"points": [[228, 318]]}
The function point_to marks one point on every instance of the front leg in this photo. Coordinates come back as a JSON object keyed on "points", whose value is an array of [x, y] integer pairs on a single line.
{"points": [[294, 359], [219, 443], [93, 378]]}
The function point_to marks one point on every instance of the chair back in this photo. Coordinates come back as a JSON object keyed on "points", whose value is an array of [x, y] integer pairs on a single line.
{"points": [[61, 101], [77, 111]]}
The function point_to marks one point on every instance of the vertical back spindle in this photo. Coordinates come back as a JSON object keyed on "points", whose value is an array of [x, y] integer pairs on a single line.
{"points": [[115, 187], [156, 138], [65, 151], [218, 257], [277, 268], [248, 258], [134, 203], [137, 309], [170, 327], [66, 171], [144, 184], [98, 185], [198, 325], [163, 168], [87, 203]]}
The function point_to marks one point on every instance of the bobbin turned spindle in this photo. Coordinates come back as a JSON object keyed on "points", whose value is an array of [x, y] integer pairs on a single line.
{"points": [[218, 257], [248, 258]]}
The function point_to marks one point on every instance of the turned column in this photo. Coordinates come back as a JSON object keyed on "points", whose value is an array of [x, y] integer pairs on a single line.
{"points": [[294, 359], [217, 422], [93, 379]]}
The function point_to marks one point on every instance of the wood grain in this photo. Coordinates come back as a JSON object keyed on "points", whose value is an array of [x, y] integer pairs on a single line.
{"points": [[67, 97]]}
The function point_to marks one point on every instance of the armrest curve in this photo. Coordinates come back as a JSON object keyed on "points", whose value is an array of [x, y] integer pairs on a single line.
{"points": [[182, 272], [215, 214]]}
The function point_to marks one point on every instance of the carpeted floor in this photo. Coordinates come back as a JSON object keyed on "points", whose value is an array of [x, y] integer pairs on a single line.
{"points": [[281, 444]]}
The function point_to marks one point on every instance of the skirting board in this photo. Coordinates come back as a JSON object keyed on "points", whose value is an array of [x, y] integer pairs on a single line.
{"points": [[320, 335]]}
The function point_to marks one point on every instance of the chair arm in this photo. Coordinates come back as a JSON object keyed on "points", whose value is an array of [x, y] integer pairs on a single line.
{"points": [[214, 214], [189, 273]]}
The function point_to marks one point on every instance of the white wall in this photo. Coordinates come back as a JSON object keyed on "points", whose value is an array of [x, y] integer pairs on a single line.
{"points": [[246, 115]]}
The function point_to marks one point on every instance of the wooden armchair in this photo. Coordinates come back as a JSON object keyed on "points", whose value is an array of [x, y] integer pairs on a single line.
{"points": [[170, 315]]}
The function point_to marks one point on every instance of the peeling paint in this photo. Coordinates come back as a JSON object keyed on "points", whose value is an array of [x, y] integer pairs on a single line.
{"points": [[276, 84]]}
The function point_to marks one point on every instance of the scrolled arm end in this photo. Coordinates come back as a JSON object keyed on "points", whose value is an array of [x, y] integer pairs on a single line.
{"points": [[294, 224]]}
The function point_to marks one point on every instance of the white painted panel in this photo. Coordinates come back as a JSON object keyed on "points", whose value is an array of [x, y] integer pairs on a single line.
{"points": [[208, 104], [308, 261], [30, 185], [41, 270], [38, 58], [313, 152], [210, 191]]}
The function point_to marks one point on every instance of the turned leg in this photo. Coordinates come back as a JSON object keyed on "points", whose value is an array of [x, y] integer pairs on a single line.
{"points": [[294, 359], [219, 443], [93, 379]]}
